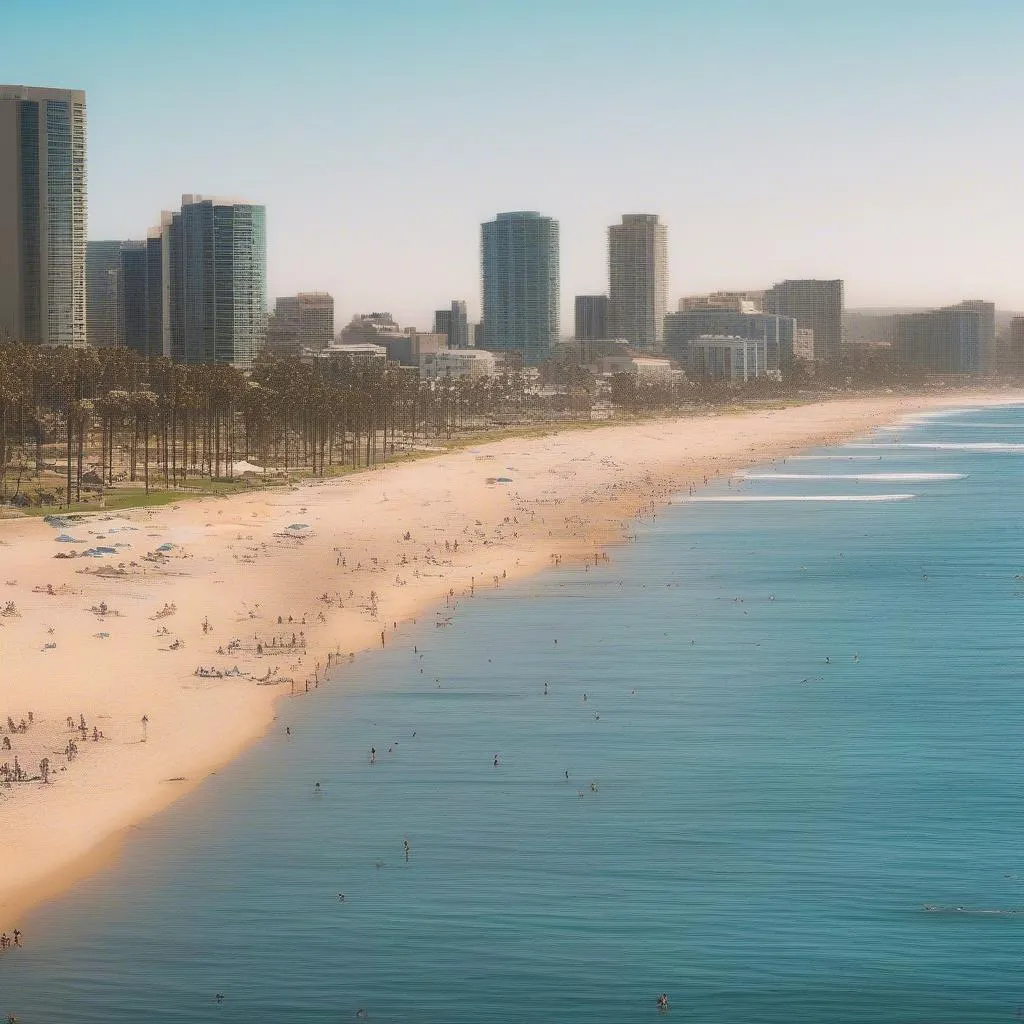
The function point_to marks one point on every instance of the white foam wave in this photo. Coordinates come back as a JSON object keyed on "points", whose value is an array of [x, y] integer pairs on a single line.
{"points": [[946, 446], [979, 425], [900, 477], [833, 458], [730, 498]]}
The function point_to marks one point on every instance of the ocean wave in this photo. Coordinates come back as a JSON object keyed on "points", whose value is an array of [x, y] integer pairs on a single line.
{"points": [[833, 458], [946, 446], [904, 477], [712, 498]]}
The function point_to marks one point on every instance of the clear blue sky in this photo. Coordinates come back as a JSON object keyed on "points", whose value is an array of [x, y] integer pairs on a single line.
{"points": [[874, 140]]}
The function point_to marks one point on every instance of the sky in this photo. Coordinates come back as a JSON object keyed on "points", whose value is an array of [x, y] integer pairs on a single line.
{"points": [[874, 140]]}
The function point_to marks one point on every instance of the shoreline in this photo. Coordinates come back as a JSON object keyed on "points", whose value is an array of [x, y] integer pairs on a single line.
{"points": [[348, 562]]}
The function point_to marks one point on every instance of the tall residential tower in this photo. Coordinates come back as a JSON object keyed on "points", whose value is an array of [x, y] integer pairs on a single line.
{"points": [[638, 280], [519, 262], [42, 215], [218, 281]]}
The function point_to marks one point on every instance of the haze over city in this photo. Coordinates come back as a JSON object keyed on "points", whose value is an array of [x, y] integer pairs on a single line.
{"points": [[872, 141]]}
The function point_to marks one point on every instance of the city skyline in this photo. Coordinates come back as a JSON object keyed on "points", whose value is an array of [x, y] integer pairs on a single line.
{"points": [[853, 179]]}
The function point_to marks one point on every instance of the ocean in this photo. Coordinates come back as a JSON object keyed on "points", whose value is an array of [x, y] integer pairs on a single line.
{"points": [[789, 727]]}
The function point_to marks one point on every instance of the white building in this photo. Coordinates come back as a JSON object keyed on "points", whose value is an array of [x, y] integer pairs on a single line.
{"points": [[358, 353], [462, 362], [725, 357], [645, 368]]}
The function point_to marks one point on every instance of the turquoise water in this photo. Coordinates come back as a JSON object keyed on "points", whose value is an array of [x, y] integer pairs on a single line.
{"points": [[825, 735]]}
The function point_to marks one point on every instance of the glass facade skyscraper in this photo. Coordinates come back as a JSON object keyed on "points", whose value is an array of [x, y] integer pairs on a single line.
{"points": [[102, 279], [453, 323], [218, 281], [591, 317], [520, 270], [42, 215]]}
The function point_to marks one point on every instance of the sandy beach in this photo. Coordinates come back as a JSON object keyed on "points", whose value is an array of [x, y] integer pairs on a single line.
{"points": [[139, 668]]}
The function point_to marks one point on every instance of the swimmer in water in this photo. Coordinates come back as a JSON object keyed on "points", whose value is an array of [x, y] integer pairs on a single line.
{"points": [[316, 788], [495, 760], [373, 755]]}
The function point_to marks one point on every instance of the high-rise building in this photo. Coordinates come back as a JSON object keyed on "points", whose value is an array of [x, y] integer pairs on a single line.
{"points": [[42, 215], [987, 312], [591, 317], [814, 304], [218, 281], [306, 320], [638, 280], [520, 271], [133, 327], [117, 295], [776, 333], [454, 324], [1015, 346], [158, 283], [947, 340], [102, 286], [442, 321]]}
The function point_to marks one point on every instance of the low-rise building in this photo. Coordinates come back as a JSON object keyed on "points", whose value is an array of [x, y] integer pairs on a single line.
{"points": [[730, 302], [465, 362], [776, 332], [726, 357], [649, 369], [364, 352], [403, 346]]}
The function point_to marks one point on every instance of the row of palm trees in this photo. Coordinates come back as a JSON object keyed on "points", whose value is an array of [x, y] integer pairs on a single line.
{"points": [[112, 416]]}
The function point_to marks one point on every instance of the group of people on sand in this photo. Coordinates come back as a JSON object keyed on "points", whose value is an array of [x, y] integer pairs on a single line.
{"points": [[12, 941]]}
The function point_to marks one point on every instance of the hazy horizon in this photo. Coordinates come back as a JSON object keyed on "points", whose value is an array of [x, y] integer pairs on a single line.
{"points": [[864, 142]]}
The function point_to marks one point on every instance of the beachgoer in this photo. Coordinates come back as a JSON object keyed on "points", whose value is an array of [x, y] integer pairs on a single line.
{"points": [[495, 760], [316, 788]]}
